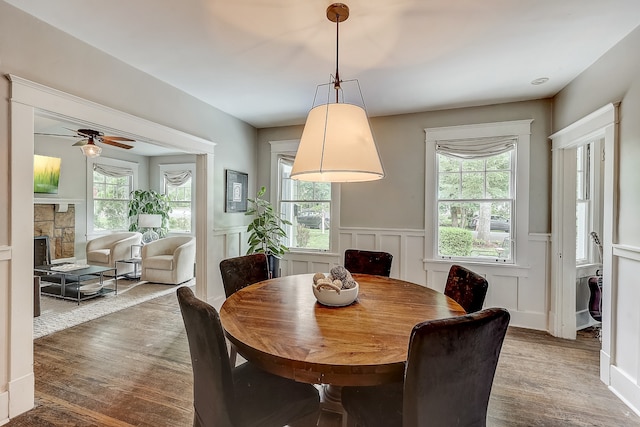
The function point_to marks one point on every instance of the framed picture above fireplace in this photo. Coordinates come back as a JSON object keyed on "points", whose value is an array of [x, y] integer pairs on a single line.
{"points": [[46, 174]]}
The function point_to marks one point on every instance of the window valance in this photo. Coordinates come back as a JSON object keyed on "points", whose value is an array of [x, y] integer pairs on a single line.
{"points": [[476, 148], [177, 178], [112, 171]]}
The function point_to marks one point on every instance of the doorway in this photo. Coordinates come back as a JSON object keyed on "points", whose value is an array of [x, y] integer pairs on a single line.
{"points": [[27, 98], [600, 125]]}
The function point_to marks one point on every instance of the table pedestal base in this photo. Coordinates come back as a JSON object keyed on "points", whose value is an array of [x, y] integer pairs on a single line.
{"points": [[331, 401]]}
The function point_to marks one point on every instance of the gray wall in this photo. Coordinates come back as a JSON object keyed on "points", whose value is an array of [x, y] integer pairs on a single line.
{"points": [[397, 201], [613, 78]]}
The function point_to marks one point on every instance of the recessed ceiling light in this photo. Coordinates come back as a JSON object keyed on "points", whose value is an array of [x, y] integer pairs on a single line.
{"points": [[540, 81]]}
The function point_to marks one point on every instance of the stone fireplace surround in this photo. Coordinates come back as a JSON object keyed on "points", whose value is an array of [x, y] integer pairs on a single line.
{"points": [[59, 225]]}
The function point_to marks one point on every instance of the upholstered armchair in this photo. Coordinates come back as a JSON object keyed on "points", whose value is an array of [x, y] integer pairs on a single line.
{"points": [[169, 260], [106, 250]]}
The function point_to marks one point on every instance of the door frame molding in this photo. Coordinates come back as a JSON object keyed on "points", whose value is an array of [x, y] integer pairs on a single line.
{"points": [[603, 124], [29, 98]]}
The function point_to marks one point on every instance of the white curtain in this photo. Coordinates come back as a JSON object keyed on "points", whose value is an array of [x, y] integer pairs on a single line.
{"points": [[112, 171], [476, 148], [177, 178]]}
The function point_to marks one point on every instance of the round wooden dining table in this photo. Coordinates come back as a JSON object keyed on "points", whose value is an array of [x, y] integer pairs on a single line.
{"points": [[279, 326]]}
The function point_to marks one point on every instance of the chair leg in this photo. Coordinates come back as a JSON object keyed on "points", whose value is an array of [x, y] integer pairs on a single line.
{"points": [[233, 355]]}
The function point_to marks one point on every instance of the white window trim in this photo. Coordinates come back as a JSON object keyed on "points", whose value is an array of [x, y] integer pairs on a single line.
{"points": [[170, 167], [519, 128], [290, 147], [91, 233]]}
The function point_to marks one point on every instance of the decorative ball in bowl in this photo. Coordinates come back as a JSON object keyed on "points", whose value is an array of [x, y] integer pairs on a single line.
{"points": [[334, 297]]}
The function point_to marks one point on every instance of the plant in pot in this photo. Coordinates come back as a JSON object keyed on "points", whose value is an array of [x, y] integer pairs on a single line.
{"points": [[152, 203], [266, 231]]}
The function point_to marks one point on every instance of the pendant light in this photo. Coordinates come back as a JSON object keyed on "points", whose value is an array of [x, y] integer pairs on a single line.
{"points": [[337, 143]]}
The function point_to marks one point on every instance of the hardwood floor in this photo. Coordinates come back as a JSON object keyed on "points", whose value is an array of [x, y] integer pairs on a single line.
{"points": [[132, 368]]}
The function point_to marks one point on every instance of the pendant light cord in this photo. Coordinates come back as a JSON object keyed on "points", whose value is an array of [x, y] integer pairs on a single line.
{"points": [[337, 81]]}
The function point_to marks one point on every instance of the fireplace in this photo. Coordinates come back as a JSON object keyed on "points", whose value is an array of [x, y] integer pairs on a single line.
{"points": [[59, 226]]}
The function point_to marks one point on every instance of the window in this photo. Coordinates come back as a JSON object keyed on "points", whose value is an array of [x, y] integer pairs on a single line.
{"points": [[475, 173], [588, 202], [178, 184], [475, 205], [112, 182], [583, 190], [307, 205], [311, 207]]}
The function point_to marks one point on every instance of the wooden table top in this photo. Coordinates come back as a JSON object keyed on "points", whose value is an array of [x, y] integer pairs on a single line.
{"points": [[278, 325]]}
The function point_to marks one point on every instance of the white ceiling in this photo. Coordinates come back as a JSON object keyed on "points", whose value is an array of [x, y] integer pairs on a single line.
{"points": [[261, 60]]}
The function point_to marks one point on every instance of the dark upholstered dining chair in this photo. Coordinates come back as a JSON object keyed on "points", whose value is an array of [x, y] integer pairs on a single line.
{"points": [[243, 271], [368, 262], [448, 378], [242, 396], [240, 272], [467, 288]]}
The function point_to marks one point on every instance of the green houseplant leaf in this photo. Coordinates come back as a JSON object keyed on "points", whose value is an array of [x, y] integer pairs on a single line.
{"points": [[149, 202], [265, 231]]}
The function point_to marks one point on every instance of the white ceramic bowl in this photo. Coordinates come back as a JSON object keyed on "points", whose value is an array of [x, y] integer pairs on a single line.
{"points": [[331, 297]]}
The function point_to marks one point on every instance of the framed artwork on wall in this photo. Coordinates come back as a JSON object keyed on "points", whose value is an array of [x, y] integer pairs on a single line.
{"points": [[236, 191], [46, 174]]}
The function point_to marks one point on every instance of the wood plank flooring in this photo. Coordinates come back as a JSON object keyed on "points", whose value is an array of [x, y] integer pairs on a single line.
{"points": [[132, 368]]}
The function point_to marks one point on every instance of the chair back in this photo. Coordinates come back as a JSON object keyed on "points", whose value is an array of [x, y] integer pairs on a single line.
{"points": [[212, 378], [243, 271], [450, 369], [467, 288], [368, 262]]}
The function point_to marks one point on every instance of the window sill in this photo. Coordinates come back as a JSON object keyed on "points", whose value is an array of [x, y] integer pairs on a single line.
{"points": [[510, 269], [313, 252]]}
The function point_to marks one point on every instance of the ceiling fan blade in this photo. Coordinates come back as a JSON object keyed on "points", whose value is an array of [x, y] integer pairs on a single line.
{"points": [[116, 138], [116, 144], [81, 143], [55, 134]]}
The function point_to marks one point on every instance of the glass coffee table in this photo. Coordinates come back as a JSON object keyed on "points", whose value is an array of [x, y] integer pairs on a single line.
{"points": [[69, 281]]}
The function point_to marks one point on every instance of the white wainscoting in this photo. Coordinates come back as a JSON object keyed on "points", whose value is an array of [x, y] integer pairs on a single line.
{"points": [[623, 363], [522, 289]]}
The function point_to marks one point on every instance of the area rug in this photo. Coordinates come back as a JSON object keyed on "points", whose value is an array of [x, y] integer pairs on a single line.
{"points": [[58, 314]]}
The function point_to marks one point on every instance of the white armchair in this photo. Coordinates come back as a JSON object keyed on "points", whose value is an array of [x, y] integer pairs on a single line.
{"points": [[106, 250], [169, 260]]}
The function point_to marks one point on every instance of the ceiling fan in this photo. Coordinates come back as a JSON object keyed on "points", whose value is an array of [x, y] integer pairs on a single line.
{"points": [[90, 137]]}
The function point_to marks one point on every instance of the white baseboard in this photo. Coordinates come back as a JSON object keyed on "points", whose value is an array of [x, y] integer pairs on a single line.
{"points": [[521, 319], [4, 408], [626, 389], [21, 395], [605, 362]]}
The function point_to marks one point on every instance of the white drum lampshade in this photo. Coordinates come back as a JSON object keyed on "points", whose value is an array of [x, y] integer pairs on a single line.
{"points": [[337, 146], [149, 221]]}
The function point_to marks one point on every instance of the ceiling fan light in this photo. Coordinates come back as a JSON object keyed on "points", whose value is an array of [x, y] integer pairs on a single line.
{"points": [[91, 150]]}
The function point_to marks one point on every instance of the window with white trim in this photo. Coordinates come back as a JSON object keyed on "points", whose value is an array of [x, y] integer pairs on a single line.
{"points": [[112, 181], [583, 203], [178, 184], [309, 206], [588, 205], [472, 203]]}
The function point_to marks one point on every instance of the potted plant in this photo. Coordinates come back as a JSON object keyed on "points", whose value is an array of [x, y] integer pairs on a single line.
{"points": [[149, 202], [266, 232]]}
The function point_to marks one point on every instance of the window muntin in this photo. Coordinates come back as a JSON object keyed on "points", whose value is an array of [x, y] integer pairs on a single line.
{"points": [[475, 206], [307, 205], [111, 202]]}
